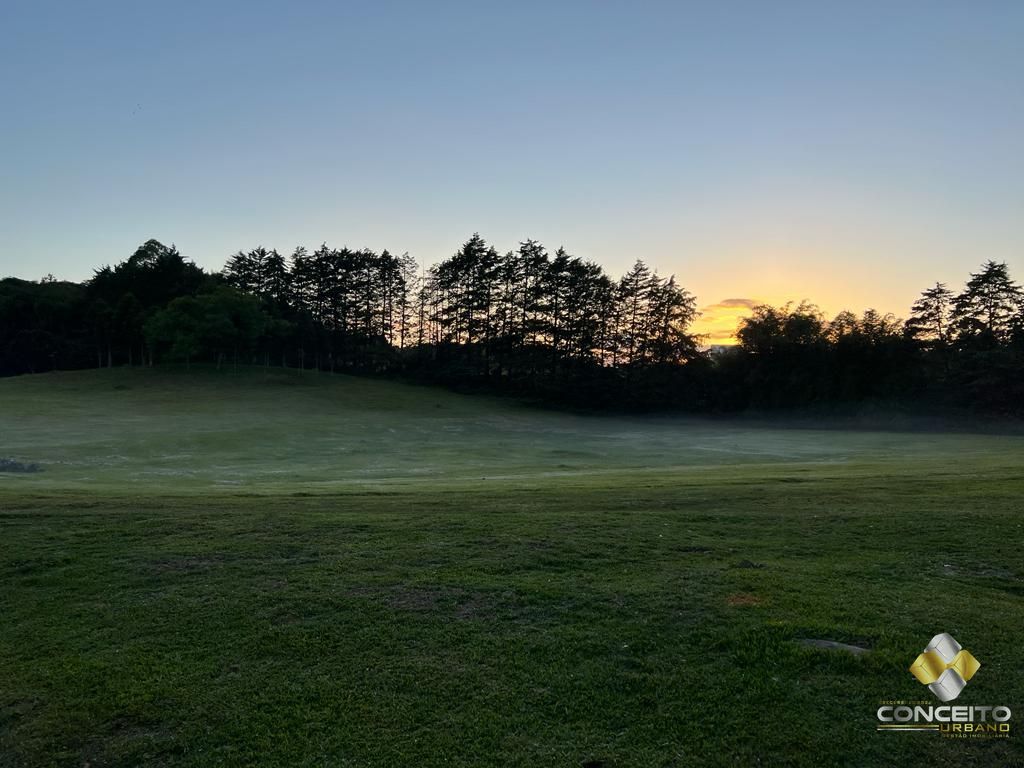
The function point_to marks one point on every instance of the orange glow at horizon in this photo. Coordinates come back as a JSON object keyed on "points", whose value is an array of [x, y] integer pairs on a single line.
{"points": [[718, 322], [779, 276]]}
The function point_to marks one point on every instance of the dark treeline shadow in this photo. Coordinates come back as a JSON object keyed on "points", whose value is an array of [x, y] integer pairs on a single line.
{"points": [[549, 326]]}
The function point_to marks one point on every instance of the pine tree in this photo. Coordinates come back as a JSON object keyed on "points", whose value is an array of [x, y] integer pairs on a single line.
{"points": [[671, 311], [929, 319], [634, 290], [988, 305]]}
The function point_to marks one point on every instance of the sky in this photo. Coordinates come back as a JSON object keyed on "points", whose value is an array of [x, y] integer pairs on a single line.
{"points": [[848, 153]]}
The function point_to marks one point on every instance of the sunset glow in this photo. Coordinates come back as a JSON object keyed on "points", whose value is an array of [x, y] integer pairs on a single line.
{"points": [[371, 395], [718, 322], [756, 152]]}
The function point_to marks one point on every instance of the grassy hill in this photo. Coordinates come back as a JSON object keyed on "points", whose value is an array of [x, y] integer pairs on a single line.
{"points": [[145, 431], [220, 568]]}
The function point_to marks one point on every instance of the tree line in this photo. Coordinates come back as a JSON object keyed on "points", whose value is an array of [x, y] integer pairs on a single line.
{"points": [[548, 325]]}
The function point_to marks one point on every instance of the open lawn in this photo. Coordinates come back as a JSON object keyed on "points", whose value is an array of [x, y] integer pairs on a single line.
{"points": [[219, 568]]}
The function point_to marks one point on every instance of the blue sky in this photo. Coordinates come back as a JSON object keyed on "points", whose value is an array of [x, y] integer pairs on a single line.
{"points": [[849, 153]]}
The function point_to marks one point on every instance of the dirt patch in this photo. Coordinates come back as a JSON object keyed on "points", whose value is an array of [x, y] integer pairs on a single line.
{"points": [[743, 600], [11, 465]]}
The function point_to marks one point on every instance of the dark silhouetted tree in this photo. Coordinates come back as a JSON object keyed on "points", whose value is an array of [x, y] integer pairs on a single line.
{"points": [[984, 313]]}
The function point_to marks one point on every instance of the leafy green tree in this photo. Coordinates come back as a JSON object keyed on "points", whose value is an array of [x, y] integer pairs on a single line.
{"points": [[217, 323], [155, 274], [128, 319], [179, 328], [101, 320], [783, 356], [45, 326]]}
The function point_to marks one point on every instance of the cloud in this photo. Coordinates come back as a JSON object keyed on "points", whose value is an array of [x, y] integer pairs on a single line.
{"points": [[732, 304], [718, 322]]}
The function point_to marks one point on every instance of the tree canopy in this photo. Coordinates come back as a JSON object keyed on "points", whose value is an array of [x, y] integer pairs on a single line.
{"points": [[550, 325]]}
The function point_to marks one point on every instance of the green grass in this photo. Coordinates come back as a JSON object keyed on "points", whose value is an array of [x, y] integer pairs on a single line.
{"points": [[239, 569]]}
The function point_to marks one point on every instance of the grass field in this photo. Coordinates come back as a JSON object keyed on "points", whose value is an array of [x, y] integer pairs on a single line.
{"points": [[218, 568]]}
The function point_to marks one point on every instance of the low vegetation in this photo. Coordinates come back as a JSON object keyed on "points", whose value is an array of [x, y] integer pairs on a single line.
{"points": [[221, 568]]}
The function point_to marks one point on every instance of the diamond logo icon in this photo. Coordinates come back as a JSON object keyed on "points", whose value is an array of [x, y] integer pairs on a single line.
{"points": [[945, 667]]}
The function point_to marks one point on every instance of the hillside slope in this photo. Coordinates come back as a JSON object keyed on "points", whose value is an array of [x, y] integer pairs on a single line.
{"points": [[146, 431]]}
